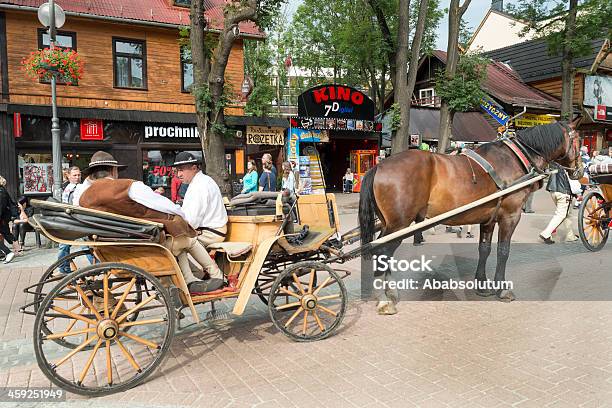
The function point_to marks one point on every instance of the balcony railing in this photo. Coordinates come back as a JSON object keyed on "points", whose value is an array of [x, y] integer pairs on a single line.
{"points": [[433, 101]]}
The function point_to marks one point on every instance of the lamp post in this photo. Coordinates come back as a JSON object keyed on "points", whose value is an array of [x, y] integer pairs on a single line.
{"points": [[52, 16]]}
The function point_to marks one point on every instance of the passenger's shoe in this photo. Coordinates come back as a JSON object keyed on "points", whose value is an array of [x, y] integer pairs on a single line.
{"points": [[9, 257], [204, 286], [548, 240]]}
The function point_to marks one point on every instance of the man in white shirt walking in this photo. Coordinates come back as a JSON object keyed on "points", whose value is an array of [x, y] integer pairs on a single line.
{"points": [[133, 198], [203, 204]]}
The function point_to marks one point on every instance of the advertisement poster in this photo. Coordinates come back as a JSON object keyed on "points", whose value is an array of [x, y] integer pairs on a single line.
{"points": [[305, 181], [38, 178]]}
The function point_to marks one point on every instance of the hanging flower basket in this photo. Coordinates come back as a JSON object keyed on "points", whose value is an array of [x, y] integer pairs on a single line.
{"points": [[64, 63]]}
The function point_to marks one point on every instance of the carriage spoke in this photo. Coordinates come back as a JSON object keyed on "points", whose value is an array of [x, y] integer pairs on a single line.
{"points": [[73, 315], [318, 289], [88, 302], [326, 310], [336, 296], [316, 316], [141, 322], [140, 340], [292, 318], [109, 363], [289, 292], [288, 305], [122, 299], [135, 308], [128, 355], [105, 286], [73, 352], [311, 280], [298, 283], [68, 333], [305, 324], [73, 322], [70, 310], [89, 361]]}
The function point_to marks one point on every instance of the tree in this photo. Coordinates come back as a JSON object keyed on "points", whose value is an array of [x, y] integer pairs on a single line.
{"points": [[210, 55], [568, 27], [455, 13]]}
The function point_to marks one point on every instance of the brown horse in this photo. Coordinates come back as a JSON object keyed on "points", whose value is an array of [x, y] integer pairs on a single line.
{"points": [[413, 185]]}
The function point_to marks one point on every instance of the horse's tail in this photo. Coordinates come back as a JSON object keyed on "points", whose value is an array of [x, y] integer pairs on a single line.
{"points": [[367, 207]]}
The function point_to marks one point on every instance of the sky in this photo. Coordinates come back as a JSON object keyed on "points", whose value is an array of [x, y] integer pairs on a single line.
{"points": [[474, 14]]}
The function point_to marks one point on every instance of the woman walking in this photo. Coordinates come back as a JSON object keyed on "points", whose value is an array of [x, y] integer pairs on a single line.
{"points": [[267, 180], [249, 181], [288, 178], [6, 213]]}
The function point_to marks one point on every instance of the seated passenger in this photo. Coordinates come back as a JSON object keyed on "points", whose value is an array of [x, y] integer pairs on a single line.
{"points": [[133, 198]]}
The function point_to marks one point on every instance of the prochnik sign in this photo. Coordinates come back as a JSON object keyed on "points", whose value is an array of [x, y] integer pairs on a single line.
{"points": [[335, 101], [494, 110], [171, 132], [263, 135]]}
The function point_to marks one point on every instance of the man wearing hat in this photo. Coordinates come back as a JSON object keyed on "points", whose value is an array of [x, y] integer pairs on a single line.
{"points": [[203, 204], [106, 192]]}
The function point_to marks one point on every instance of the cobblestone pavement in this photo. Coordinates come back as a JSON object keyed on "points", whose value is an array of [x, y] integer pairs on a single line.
{"points": [[431, 354]]}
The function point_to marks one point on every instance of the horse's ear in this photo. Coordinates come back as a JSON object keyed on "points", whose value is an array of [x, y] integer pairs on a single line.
{"points": [[575, 123]]}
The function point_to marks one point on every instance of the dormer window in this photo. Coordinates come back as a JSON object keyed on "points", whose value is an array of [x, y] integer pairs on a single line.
{"points": [[182, 3]]}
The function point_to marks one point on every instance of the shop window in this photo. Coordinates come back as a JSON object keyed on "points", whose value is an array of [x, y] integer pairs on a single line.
{"points": [[63, 39], [186, 70], [157, 172], [130, 63]]}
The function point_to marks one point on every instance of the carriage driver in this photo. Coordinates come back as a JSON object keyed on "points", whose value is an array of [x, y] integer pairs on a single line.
{"points": [[203, 204], [133, 198]]}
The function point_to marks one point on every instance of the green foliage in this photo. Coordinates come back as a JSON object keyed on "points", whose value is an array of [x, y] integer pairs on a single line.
{"points": [[547, 20], [463, 92], [396, 118]]}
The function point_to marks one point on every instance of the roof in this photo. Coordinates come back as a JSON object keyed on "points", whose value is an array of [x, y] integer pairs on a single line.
{"points": [[512, 21], [504, 84], [532, 61], [467, 126], [149, 11]]}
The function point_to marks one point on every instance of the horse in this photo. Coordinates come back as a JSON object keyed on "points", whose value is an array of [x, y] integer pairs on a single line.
{"points": [[413, 185]]}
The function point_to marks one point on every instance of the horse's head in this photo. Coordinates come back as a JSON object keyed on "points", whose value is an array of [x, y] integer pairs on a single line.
{"points": [[568, 154]]}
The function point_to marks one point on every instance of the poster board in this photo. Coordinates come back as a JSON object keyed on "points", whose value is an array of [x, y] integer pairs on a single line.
{"points": [[38, 178]]}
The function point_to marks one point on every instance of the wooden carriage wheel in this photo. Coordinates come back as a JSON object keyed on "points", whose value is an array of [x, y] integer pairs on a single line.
{"points": [[593, 220], [314, 311], [119, 359], [266, 279]]}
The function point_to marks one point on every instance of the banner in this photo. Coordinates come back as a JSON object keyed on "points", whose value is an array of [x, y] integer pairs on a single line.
{"points": [[263, 135], [531, 119], [597, 90], [494, 110]]}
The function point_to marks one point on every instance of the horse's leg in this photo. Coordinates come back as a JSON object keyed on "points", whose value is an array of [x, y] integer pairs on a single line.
{"points": [[507, 225], [484, 249], [418, 236], [387, 298]]}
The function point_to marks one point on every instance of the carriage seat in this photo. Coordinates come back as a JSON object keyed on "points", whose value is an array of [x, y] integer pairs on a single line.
{"points": [[232, 249], [258, 203], [69, 223], [601, 168]]}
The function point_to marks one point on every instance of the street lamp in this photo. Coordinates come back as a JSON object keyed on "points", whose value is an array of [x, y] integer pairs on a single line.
{"points": [[52, 16]]}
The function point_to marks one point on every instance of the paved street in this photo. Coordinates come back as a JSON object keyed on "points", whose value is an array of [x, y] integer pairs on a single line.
{"points": [[431, 354]]}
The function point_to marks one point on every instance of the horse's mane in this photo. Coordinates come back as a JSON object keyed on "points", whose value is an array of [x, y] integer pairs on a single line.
{"points": [[545, 139]]}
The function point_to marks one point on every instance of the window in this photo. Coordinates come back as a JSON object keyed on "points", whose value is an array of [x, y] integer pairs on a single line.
{"points": [[182, 3], [63, 39], [186, 70], [427, 97], [130, 63]]}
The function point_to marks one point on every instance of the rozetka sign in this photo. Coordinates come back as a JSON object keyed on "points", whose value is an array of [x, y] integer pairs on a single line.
{"points": [[263, 135]]}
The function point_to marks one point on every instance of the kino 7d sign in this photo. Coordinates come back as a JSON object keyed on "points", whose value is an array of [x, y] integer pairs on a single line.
{"points": [[336, 107]]}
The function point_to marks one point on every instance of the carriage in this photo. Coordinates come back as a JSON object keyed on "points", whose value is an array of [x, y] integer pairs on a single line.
{"points": [[595, 213], [107, 325]]}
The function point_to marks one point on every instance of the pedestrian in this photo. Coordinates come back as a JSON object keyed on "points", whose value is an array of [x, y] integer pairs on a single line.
{"points": [[288, 181], [160, 190], [267, 180], [348, 181], [68, 192], [21, 225], [8, 210], [561, 193], [250, 180], [267, 158]]}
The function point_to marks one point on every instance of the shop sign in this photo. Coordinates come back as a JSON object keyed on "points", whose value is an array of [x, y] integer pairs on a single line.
{"points": [[17, 129], [335, 101], [92, 129], [530, 120], [171, 131], [312, 136], [415, 140], [597, 90], [494, 110], [263, 135], [603, 112], [293, 146], [336, 124]]}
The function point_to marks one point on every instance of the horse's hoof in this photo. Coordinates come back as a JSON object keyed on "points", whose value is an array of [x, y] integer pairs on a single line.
{"points": [[505, 295], [386, 308], [484, 292]]}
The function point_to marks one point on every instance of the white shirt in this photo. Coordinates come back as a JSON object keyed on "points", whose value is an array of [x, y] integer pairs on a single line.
{"points": [[289, 182], [140, 193], [68, 192], [203, 204]]}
